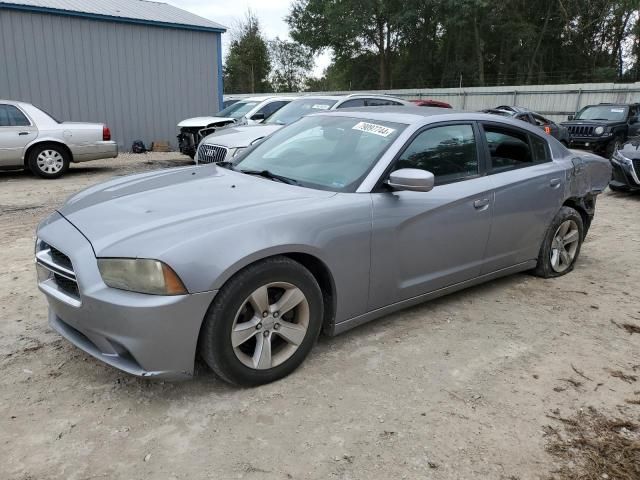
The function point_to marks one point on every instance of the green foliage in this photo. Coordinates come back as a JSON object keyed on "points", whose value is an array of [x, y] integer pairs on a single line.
{"points": [[247, 65], [292, 64], [443, 43]]}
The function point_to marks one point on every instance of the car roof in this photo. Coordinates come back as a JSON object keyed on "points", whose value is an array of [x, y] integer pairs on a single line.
{"points": [[320, 97], [423, 115], [266, 97], [13, 102]]}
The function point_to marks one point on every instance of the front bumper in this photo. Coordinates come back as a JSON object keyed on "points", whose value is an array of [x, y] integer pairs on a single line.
{"points": [[589, 143], [144, 335]]}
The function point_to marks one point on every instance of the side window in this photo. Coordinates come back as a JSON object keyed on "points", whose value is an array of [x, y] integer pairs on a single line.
{"points": [[11, 116], [448, 152], [541, 121], [271, 108], [540, 149], [508, 148], [524, 117], [356, 102], [379, 102]]}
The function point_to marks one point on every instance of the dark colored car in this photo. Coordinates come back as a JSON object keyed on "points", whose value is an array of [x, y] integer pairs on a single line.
{"points": [[431, 103], [549, 126], [602, 127], [626, 167]]}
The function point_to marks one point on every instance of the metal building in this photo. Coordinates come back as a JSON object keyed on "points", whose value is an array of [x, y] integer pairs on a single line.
{"points": [[136, 65]]}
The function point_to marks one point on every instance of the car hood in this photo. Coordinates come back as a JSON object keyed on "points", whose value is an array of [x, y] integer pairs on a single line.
{"points": [[203, 121], [192, 201], [238, 137]]}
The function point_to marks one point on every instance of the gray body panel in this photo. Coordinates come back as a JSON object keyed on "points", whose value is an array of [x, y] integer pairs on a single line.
{"points": [[384, 250], [138, 79]]}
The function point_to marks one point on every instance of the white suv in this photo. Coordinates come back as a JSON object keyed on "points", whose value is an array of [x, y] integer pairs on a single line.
{"points": [[248, 111]]}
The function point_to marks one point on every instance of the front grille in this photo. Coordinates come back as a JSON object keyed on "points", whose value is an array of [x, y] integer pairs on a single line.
{"points": [[60, 258], [581, 130], [60, 269], [211, 153], [70, 287]]}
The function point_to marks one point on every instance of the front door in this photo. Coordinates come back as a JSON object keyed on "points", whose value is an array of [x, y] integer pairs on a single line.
{"points": [[424, 241], [16, 132]]}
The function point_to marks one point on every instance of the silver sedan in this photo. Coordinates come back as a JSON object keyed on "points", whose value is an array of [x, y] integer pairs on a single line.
{"points": [[330, 222], [32, 139]]}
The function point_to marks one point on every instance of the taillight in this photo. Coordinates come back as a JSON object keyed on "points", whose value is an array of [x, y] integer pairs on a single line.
{"points": [[106, 133]]}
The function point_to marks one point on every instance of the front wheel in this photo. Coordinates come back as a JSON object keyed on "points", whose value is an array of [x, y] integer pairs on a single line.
{"points": [[263, 323], [561, 245], [49, 161]]}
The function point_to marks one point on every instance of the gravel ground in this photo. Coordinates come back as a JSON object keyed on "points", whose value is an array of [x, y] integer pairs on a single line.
{"points": [[461, 387]]}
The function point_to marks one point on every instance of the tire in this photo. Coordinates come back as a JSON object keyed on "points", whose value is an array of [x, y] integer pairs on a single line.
{"points": [[551, 262], [49, 161], [619, 189], [243, 361]]}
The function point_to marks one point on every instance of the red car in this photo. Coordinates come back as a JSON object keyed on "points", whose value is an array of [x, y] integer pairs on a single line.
{"points": [[431, 103]]}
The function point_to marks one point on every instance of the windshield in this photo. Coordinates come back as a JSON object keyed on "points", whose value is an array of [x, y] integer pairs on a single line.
{"points": [[603, 112], [237, 110], [323, 152], [297, 109]]}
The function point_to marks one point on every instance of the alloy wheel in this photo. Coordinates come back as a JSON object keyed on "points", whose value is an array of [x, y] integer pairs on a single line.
{"points": [[270, 325], [564, 246]]}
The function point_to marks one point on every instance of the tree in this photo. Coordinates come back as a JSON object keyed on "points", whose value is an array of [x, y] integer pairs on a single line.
{"points": [[291, 63], [350, 28], [247, 65]]}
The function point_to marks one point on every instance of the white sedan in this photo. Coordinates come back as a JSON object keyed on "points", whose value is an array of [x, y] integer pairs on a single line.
{"points": [[33, 140]]}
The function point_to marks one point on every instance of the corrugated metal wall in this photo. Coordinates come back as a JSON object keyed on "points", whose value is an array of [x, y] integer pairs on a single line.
{"points": [[140, 80]]}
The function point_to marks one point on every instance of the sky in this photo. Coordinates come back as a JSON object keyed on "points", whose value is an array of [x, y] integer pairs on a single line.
{"points": [[271, 14]]}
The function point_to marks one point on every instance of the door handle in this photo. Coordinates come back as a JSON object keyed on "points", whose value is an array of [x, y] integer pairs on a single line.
{"points": [[23, 133], [481, 204], [555, 182]]}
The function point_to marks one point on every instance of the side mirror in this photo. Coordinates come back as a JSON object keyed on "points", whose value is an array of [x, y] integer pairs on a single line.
{"points": [[412, 179], [570, 117], [258, 116], [634, 120]]}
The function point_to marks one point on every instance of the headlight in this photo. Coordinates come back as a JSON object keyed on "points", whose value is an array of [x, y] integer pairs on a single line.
{"points": [[237, 151], [599, 130], [140, 275]]}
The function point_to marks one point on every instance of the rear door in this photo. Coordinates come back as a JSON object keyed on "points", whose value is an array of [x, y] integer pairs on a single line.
{"points": [[16, 132], [529, 189], [424, 241]]}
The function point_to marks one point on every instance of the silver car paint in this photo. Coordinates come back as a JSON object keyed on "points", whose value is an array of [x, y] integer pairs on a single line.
{"points": [[384, 250], [84, 140]]}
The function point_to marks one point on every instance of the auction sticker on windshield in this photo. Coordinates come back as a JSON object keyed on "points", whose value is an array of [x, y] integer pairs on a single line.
{"points": [[373, 128], [319, 106]]}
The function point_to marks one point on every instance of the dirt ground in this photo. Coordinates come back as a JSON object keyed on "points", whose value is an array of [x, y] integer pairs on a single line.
{"points": [[464, 387]]}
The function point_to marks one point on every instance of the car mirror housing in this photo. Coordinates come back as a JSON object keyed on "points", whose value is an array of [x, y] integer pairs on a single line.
{"points": [[412, 179]]}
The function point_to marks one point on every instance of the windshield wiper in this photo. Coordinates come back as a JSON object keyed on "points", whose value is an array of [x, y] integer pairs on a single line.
{"points": [[270, 176]]}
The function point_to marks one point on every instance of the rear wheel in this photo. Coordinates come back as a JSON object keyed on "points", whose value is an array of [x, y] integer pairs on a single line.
{"points": [[49, 161], [263, 323], [561, 245]]}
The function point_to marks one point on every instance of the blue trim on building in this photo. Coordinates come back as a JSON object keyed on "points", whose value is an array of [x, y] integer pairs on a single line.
{"points": [[220, 73], [109, 18]]}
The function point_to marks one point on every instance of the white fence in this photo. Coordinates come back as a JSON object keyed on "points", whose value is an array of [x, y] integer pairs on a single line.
{"points": [[553, 101]]}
